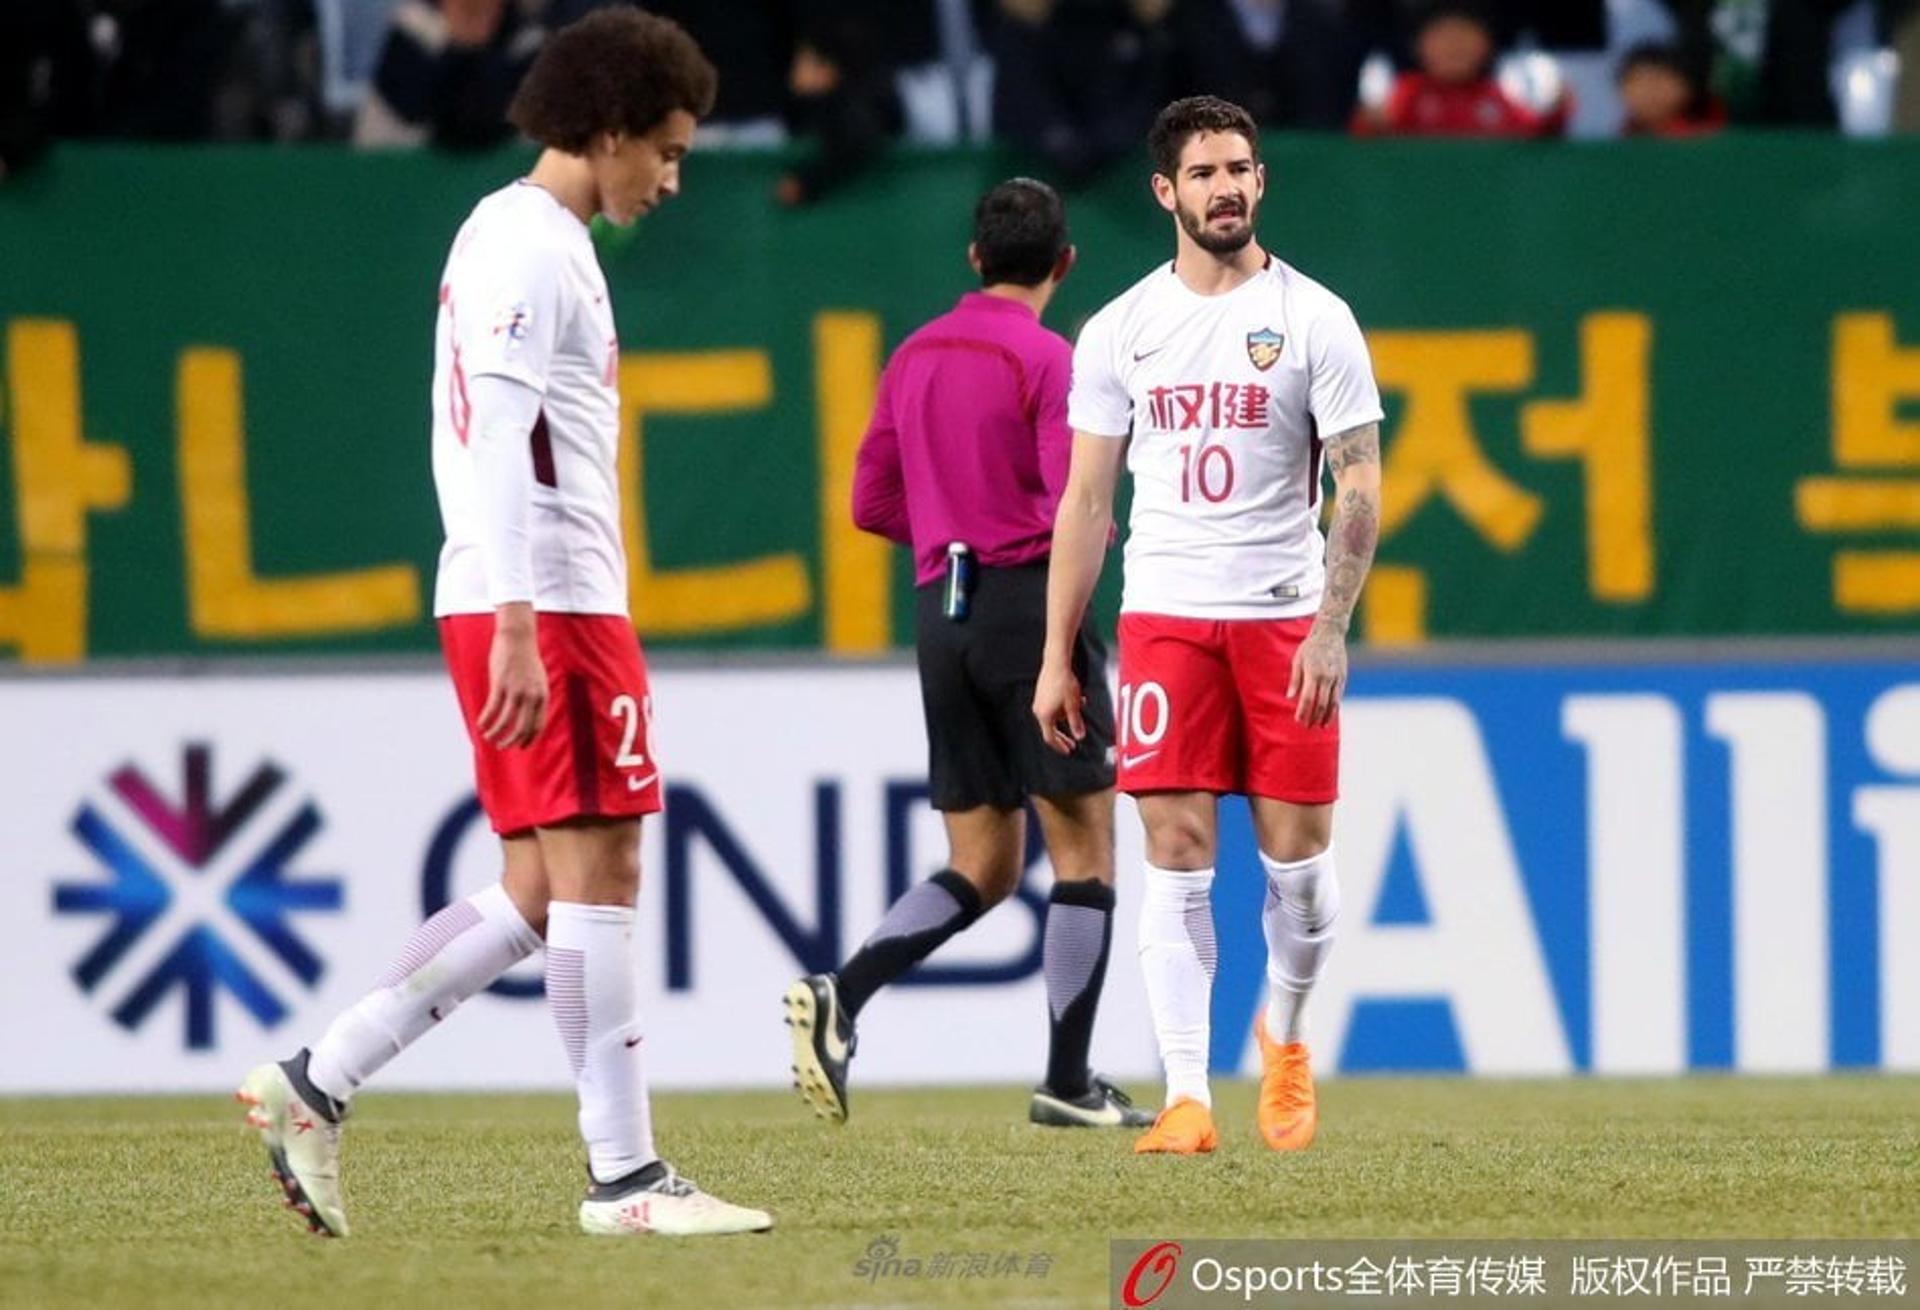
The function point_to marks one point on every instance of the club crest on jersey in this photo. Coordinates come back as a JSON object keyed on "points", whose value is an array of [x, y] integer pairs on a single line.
{"points": [[1263, 347], [513, 321]]}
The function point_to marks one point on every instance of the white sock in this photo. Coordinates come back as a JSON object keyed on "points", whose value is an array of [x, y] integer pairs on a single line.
{"points": [[1177, 956], [592, 989], [1303, 901], [451, 956]]}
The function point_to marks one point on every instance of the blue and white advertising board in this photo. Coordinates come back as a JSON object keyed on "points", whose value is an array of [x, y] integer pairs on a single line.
{"points": [[1613, 869]]}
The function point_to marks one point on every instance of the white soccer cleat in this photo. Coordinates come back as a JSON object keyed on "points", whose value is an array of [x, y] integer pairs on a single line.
{"points": [[655, 1199], [302, 1143]]}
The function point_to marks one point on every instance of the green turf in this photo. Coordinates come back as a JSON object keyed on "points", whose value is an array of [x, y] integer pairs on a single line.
{"points": [[467, 1201]]}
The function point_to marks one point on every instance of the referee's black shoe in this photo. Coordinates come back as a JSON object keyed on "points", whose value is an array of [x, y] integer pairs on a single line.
{"points": [[1102, 1106], [823, 1042]]}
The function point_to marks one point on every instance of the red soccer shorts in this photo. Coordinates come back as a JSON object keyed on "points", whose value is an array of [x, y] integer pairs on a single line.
{"points": [[593, 758], [1204, 707]]}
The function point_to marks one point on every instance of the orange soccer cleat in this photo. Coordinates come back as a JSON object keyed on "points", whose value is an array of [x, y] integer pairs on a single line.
{"points": [[1288, 1113], [1183, 1128]]}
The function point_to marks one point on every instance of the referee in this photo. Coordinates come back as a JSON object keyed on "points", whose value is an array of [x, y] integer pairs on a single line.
{"points": [[964, 461]]}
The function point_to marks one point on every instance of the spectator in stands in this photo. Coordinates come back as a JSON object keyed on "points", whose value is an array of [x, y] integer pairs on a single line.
{"points": [[841, 94], [1903, 24], [1079, 81], [154, 70], [45, 63], [1773, 58], [277, 88], [448, 71], [147, 70], [1452, 91], [1795, 87], [1663, 94], [160, 67], [1290, 63], [1391, 25]]}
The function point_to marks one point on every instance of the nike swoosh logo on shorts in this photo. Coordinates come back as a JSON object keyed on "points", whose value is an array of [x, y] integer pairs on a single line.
{"points": [[640, 783], [1135, 761]]}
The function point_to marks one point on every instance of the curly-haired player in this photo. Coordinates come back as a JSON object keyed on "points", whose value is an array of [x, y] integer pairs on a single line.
{"points": [[532, 604]]}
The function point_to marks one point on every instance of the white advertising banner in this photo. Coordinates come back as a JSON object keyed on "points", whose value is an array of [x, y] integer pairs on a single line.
{"points": [[201, 872], [1610, 869]]}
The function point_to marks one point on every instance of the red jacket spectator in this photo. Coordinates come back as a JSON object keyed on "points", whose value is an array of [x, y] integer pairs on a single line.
{"points": [[1422, 105], [1452, 92]]}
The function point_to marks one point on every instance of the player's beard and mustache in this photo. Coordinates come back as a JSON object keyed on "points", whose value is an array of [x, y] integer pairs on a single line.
{"points": [[1226, 242]]}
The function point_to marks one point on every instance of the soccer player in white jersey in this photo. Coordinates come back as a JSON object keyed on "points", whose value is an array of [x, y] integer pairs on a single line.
{"points": [[532, 604], [1224, 380]]}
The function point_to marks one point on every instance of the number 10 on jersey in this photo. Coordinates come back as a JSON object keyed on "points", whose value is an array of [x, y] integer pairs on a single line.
{"points": [[1210, 471]]}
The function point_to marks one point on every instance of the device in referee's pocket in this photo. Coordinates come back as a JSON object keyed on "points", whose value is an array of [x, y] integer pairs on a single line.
{"points": [[958, 596]]}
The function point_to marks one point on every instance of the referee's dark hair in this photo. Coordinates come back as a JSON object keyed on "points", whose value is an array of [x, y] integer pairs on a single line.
{"points": [[1019, 233]]}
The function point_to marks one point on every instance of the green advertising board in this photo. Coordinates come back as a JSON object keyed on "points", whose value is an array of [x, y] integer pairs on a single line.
{"points": [[1641, 389]]}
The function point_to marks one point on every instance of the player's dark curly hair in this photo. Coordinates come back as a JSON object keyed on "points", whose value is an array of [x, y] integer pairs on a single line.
{"points": [[616, 70], [1019, 232], [1183, 120]]}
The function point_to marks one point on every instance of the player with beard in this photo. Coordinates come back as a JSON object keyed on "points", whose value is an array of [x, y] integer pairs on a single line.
{"points": [[1223, 380]]}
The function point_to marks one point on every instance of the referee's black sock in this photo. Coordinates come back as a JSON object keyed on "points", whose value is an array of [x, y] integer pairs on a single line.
{"points": [[914, 927], [1074, 958]]}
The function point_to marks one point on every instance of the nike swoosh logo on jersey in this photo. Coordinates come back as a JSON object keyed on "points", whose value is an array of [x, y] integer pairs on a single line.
{"points": [[1139, 355], [1135, 761], [637, 784]]}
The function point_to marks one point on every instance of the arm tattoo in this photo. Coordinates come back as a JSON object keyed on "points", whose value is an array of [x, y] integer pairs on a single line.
{"points": [[1355, 530], [1359, 445]]}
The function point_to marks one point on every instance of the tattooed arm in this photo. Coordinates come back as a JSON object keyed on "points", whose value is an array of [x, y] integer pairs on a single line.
{"points": [[1319, 676]]}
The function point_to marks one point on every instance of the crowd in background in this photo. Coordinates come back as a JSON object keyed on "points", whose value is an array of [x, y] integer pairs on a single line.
{"points": [[1074, 81]]}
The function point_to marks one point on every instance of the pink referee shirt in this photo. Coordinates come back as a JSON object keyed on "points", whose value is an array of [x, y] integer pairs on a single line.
{"points": [[969, 439]]}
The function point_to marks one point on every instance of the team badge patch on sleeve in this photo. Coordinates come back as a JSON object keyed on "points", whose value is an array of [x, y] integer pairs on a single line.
{"points": [[513, 321], [1263, 347]]}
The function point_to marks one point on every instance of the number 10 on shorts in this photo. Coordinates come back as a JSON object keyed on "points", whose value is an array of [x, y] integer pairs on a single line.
{"points": [[1143, 720]]}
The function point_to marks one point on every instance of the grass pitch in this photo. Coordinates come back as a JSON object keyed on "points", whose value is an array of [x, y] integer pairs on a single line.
{"points": [[466, 1202]]}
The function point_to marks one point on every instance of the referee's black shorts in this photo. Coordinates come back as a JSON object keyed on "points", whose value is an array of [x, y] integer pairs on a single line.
{"points": [[976, 682]]}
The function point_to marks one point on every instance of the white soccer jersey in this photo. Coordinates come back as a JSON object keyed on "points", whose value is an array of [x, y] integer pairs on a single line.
{"points": [[1227, 399], [523, 298]]}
